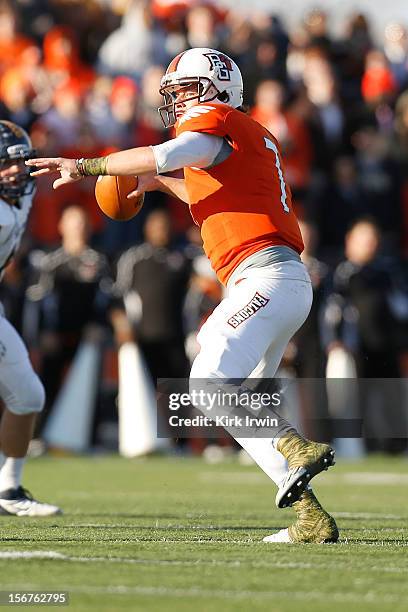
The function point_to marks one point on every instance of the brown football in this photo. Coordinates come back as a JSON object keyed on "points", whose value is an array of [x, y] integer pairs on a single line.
{"points": [[111, 194]]}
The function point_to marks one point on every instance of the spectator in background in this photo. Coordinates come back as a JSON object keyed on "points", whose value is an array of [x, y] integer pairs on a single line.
{"points": [[378, 84], [239, 39], [316, 24], [150, 129], [399, 153], [353, 47], [379, 178], [73, 289], [201, 27], [36, 17], [361, 315], [358, 37], [97, 105], [117, 127], [91, 20], [334, 204], [32, 79], [67, 127], [24, 85], [152, 280], [134, 46], [266, 62], [299, 42], [65, 118], [62, 58], [168, 10], [321, 90], [399, 142], [15, 97], [12, 42], [396, 52], [357, 312]]}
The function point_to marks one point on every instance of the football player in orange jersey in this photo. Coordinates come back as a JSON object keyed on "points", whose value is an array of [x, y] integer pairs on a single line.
{"points": [[235, 187]]}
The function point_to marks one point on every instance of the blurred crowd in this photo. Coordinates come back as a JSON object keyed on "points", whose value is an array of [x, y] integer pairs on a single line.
{"points": [[82, 76]]}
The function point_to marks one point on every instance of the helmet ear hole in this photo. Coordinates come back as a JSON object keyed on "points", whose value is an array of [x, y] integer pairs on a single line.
{"points": [[223, 97]]}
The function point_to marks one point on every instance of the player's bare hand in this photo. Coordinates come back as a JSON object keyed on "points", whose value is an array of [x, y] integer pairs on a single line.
{"points": [[146, 182], [47, 165]]}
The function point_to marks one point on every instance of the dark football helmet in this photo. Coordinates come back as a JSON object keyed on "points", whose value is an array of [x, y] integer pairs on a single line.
{"points": [[15, 144]]}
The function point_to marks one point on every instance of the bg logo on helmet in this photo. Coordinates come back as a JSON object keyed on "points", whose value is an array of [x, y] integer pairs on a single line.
{"points": [[223, 63]]}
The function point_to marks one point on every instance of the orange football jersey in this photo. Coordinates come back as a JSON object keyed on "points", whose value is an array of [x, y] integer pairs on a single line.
{"points": [[243, 204]]}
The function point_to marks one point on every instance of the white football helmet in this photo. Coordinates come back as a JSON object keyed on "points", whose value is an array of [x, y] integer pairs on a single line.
{"points": [[217, 76]]}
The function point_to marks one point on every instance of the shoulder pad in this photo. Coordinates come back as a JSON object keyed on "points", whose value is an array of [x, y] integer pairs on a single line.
{"points": [[203, 118]]}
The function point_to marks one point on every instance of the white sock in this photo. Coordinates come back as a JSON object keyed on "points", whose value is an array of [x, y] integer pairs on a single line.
{"points": [[270, 460], [2, 459], [11, 473]]}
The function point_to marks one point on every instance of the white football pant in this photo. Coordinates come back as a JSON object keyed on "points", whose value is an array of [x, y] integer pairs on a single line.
{"points": [[247, 334], [20, 388]]}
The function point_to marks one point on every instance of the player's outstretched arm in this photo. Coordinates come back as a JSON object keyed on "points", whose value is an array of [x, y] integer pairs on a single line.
{"points": [[129, 162], [140, 161]]}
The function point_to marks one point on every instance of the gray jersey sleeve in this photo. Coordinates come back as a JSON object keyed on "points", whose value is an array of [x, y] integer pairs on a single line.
{"points": [[189, 150]]}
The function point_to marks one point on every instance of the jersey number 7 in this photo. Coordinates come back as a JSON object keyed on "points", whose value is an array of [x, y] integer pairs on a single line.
{"points": [[271, 145]]}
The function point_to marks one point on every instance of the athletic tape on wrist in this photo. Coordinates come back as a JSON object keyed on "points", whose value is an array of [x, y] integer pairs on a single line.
{"points": [[92, 167]]}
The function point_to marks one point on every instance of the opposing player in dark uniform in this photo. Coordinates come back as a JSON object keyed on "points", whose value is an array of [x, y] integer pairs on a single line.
{"points": [[21, 391]]}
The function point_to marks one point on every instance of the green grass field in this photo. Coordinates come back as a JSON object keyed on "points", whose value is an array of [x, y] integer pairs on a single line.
{"points": [[179, 534]]}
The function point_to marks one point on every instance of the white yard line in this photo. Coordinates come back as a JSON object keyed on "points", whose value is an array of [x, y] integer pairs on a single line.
{"points": [[233, 478], [375, 478], [49, 554], [370, 515], [330, 479], [32, 554]]}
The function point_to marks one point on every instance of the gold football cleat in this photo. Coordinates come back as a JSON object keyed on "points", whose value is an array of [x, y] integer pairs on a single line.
{"points": [[313, 524], [305, 460]]}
